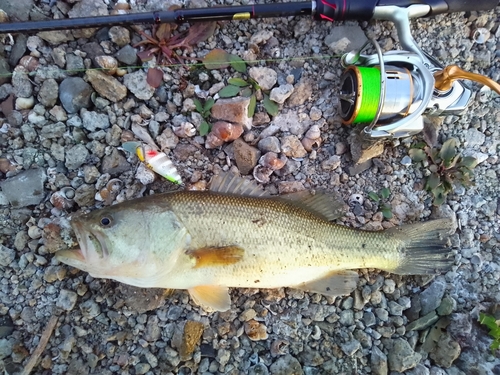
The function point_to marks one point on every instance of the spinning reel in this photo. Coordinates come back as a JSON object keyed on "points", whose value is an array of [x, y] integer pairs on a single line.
{"points": [[391, 92]]}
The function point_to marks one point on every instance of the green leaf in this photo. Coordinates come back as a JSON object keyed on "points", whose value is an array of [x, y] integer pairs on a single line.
{"points": [[373, 196], [204, 128], [251, 106], [238, 82], [488, 320], [448, 151], [238, 64], [246, 92], [468, 162], [384, 193], [433, 181], [439, 196], [254, 83], [216, 59], [271, 107], [209, 104], [198, 105], [419, 145], [495, 345], [387, 213], [229, 91], [417, 154], [451, 163], [447, 186]]}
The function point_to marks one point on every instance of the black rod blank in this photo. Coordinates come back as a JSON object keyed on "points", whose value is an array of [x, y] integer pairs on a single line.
{"points": [[176, 16]]}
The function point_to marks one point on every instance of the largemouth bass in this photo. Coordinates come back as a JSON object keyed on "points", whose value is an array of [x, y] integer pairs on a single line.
{"points": [[235, 236]]}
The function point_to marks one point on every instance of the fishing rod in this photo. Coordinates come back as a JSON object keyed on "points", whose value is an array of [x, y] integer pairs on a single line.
{"points": [[389, 92]]}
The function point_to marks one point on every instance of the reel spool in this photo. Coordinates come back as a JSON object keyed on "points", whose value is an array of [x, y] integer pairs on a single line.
{"points": [[360, 94]]}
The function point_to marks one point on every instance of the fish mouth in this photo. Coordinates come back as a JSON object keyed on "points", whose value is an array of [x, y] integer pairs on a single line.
{"points": [[70, 256], [91, 243]]}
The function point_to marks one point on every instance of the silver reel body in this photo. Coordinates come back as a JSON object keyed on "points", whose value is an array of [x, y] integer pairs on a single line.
{"points": [[407, 84]]}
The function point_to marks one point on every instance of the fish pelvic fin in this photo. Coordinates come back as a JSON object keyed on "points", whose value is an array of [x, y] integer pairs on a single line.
{"points": [[324, 205], [424, 247], [336, 283], [216, 256], [231, 183], [211, 297]]}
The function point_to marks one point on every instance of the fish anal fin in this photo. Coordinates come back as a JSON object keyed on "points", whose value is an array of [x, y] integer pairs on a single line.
{"points": [[211, 297], [216, 256], [321, 204], [337, 283], [231, 183]]}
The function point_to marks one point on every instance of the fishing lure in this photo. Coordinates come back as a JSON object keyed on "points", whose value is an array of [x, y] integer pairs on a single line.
{"points": [[155, 160]]}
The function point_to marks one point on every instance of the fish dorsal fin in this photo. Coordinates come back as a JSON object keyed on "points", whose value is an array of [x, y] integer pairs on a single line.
{"points": [[216, 256], [211, 297], [231, 183], [337, 283], [323, 205]]}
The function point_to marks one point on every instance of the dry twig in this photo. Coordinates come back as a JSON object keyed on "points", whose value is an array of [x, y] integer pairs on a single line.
{"points": [[44, 339]]}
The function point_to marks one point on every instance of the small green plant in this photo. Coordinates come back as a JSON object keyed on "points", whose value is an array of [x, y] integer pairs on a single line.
{"points": [[204, 111], [162, 44], [381, 199], [220, 59], [494, 327], [447, 168]]}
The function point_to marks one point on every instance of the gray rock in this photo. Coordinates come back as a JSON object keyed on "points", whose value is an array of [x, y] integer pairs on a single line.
{"points": [[423, 322], [7, 256], [447, 306], [18, 49], [153, 330], [76, 156], [378, 362], [382, 314], [25, 189], [302, 92], [5, 348], [114, 163], [49, 92], [87, 9], [332, 163], [23, 88], [6, 326], [66, 300], [369, 318], [119, 35], [265, 77], [258, 369], [90, 309], [18, 10], [395, 308], [74, 94], [419, 370], [85, 195], [350, 347], [292, 147], [345, 38], [21, 240], [402, 357], [406, 161], [269, 144], [431, 298], [446, 352], [6, 89], [92, 120], [347, 318], [286, 365], [311, 357], [281, 93], [137, 84], [474, 137], [142, 368], [4, 74], [53, 130], [74, 64], [127, 55]]}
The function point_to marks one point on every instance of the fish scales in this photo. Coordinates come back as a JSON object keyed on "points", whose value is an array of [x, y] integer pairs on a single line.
{"points": [[279, 238]]}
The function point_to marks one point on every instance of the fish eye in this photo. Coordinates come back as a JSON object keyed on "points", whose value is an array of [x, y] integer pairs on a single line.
{"points": [[105, 221]]}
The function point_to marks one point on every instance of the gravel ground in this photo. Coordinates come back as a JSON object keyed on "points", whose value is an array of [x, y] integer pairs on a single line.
{"points": [[60, 137]]}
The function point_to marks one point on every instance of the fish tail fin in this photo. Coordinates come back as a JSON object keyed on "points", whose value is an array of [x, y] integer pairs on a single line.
{"points": [[424, 247]]}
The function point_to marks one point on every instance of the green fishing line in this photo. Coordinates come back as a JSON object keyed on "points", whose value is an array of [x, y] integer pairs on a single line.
{"points": [[370, 94]]}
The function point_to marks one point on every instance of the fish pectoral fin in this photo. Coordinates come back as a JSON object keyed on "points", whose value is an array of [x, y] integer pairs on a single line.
{"points": [[211, 297], [338, 283], [324, 205], [216, 256]]}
